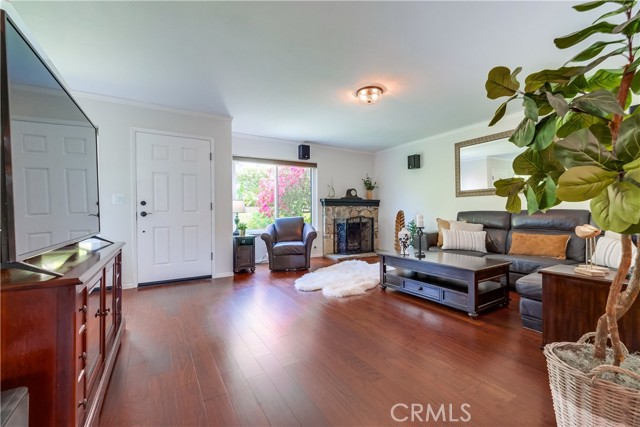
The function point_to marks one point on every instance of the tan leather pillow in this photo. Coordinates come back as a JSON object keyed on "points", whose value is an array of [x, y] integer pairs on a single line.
{"points": [[549, 245], [442, 224]]}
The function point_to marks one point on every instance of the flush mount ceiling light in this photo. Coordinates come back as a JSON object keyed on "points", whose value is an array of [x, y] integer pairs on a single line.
{"points": [[369, 94]]}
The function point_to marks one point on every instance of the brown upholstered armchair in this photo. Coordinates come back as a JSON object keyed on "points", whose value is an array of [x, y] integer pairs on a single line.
{"points": [[288, 243]]}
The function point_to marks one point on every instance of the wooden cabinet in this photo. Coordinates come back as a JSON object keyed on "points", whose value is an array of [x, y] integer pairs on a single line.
{"points": [[573, 303], [244, 253], [60, 336]]}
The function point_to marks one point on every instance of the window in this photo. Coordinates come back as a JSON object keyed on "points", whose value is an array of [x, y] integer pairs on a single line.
{"points": [[273, 189]]}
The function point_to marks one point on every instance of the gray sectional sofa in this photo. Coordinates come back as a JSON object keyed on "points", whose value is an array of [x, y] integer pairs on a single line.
{"points": [[500, 226]]}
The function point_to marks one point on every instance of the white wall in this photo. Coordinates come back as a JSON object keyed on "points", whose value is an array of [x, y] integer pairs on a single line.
{"points": [[430, 190], [116, 119], [345, 168]]}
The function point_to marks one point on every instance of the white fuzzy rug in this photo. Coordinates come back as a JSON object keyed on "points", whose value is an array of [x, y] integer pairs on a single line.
{"points": [[341, 280]]}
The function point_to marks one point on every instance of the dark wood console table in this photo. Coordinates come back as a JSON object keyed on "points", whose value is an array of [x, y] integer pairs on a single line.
{"points": [[573, 303], [61, 335], [468, 283]]}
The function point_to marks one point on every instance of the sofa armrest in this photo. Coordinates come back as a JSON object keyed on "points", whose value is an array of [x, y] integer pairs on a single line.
{"points": [[308, 235], [269, 236]]}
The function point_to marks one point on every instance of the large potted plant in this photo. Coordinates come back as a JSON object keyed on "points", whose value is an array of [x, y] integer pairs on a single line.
{"points": [[580, 145]]}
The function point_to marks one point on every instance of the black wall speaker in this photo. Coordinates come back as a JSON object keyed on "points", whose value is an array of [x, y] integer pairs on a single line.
{"points": [[304, 152], [413, 161]]}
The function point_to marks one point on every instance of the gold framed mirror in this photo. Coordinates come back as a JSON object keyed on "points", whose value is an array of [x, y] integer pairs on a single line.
{"points": [[481, 161]]}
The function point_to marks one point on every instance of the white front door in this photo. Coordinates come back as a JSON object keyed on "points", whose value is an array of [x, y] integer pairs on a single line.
{"points": [[173, 207]]}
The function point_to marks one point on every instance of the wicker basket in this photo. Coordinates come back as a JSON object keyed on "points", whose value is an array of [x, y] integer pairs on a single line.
{"points": [[582, 400]]}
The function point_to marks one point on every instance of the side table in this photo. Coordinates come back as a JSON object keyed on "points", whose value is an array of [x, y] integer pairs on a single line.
{"points": [[573, 303], [244, 253]]}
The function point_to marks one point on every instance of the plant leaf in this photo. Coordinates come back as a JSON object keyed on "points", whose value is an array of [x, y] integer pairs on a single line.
{"points": [[602, 134], [535, 81], [618, 208], [629, 27], [588, 6], [635, 84], [583, 183], [533, 162], [574, 121], [627, 146], [510, 188], [499, 83], [575, 38], [532, 200], [500, 112], [632, 171], [581, 148], [558, 103], [613, 13], [545, 132], [591, 51], [523, 134], [514, 75], [530, 108], [598, 103], [605, 79]]}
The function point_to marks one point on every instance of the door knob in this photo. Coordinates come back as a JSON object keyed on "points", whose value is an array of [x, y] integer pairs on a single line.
{"points": [[143, 213], [143, 203]]}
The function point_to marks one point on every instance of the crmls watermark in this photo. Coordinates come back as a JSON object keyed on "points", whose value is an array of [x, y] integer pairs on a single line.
{"points": [[443, 413]]}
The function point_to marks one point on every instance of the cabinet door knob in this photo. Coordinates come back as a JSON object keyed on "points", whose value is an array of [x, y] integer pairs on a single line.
{"points": [[83, 309], [82, 404], [83, 356], [98, 313], [107, 311]]}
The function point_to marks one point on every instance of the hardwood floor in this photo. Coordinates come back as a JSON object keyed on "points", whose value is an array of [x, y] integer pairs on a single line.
{"points": [[252, 351]]}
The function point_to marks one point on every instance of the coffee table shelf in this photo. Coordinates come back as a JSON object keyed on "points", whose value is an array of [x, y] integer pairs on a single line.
{"points": [[468, 283]]}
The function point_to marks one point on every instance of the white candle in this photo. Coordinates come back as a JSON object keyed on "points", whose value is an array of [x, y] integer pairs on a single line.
{"points": [[419, 220]]}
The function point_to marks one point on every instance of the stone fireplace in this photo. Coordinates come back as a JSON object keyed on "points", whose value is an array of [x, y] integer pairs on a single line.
{"points": [[349, 225]]}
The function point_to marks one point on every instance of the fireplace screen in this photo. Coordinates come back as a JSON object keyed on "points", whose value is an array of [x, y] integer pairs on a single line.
{"points": [[353, 235]]}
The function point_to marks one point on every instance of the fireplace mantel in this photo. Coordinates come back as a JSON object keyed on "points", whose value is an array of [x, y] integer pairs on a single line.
{"points": [[348, 201]]}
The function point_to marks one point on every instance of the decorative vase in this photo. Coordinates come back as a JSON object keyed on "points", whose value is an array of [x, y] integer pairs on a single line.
{"points": [[369, 194], [589, 400], [242, 232]]}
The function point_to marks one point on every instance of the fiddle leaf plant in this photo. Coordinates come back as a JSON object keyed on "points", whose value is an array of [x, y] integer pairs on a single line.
{"points": [[579, 144]]}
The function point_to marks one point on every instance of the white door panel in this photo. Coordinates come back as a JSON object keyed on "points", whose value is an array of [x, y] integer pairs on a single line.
{"points": [[173, 207]]}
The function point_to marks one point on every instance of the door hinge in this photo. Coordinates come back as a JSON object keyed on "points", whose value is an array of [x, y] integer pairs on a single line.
{"points": [[210, 206], [210, 156], [211, 256]]}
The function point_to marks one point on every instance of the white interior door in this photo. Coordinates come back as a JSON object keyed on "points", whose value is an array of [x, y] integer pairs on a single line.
{"points": [[173, 207]]}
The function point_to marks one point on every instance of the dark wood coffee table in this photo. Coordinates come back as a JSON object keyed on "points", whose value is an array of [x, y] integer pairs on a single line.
{"points": [[468, 283]]}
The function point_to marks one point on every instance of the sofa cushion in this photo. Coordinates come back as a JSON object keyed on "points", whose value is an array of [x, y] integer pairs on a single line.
{"points": [[549, 245], [464, 226], [609, 251], [465, 240], [496, 224], [289, 248], [530, 286], [443, 224], [526, 264], [554, 221], [289, 229]]}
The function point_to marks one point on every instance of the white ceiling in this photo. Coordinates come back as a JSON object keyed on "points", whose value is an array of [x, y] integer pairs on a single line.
{"points": [[289, 69]]}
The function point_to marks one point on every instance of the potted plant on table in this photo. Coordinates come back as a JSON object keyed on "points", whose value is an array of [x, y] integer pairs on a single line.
{"points": [[579, 145], [369, 185], [242, 228]]}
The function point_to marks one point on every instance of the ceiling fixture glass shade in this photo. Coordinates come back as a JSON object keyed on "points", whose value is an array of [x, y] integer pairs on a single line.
{"points": [[369, 94]]}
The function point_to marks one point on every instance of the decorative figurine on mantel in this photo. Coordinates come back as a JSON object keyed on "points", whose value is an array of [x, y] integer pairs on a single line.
{"points": [[589, 233], [403, 238]]}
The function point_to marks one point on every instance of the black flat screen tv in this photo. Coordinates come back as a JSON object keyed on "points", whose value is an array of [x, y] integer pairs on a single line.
{"points": [[49, 156]]}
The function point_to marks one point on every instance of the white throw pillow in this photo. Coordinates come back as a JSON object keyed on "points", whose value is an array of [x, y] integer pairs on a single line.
{"points": [[609, 251], [465, 226], [466, 240]]}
